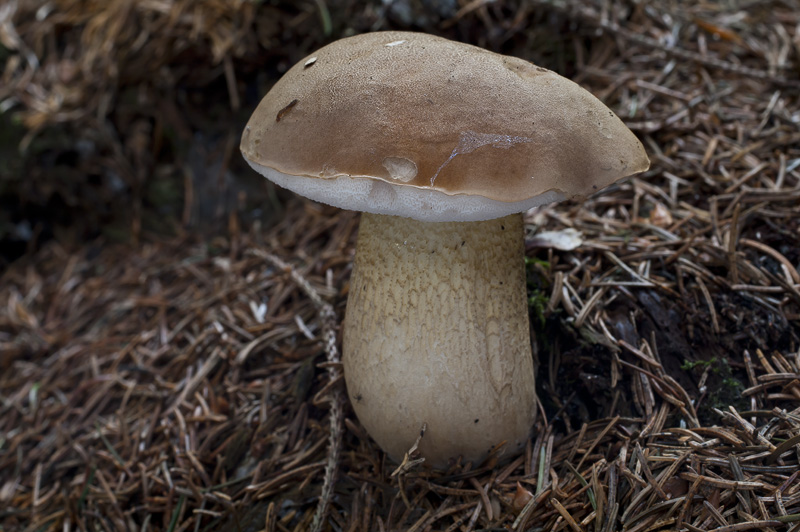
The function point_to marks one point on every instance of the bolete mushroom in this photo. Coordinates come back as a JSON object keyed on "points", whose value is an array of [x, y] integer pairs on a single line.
{"points": [[441, 145]]}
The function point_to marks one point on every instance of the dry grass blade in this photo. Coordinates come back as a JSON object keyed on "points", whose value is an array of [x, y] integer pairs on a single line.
{"points": [[329, 326]]}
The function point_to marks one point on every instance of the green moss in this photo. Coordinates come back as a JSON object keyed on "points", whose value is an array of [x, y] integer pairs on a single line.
{"points": [[728, 393], [537, 303], [688, 365], [538, 289], [535, 261], [724, 387]]}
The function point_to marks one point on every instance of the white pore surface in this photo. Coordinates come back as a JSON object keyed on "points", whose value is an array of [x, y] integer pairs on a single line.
{"points": [[379, 197]]}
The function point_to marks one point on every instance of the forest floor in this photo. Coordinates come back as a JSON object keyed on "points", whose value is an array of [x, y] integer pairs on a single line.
{"points": [[162, 364]]}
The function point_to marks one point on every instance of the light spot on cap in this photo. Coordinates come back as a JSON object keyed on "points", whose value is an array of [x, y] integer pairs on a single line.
{"points": [[395, 43], [400, 168], [310, 62], [328, 172]]}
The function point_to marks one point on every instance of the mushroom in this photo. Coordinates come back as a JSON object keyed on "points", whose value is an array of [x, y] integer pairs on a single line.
{"points": [[442, 145]]}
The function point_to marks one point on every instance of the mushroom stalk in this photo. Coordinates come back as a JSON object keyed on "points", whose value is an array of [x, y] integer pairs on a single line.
{"points": [[437, 332]]}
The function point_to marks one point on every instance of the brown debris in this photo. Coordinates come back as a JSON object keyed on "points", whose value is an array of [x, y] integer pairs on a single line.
{"points": [[192, 384]]}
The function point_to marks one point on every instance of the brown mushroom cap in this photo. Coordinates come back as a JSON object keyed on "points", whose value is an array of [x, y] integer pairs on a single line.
{"points": [[434, 120]]}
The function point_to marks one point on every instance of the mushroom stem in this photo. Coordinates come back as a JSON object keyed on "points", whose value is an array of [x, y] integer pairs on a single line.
{"points": [[437, 332]]}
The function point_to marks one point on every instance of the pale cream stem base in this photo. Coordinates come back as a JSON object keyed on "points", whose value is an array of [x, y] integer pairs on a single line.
{"points": [[437, 332]]}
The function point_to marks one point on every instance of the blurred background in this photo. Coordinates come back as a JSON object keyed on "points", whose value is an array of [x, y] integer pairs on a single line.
{"points": [[121, 119]]}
